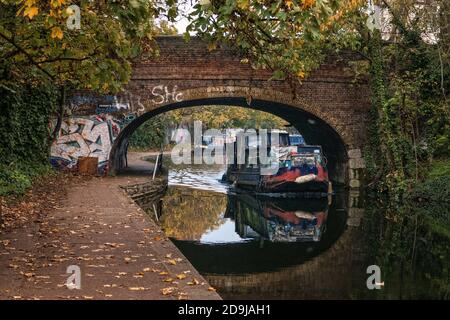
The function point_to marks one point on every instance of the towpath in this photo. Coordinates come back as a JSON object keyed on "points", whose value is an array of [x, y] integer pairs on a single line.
{"points": [[121, 253]]}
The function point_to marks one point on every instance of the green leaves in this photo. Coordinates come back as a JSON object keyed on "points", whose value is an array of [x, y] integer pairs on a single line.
{"points": [[37, 46], [289, 37], [25, 115]]}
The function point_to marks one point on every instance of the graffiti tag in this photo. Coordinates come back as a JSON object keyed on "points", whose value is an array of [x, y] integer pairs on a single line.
{"points": [[164, 95]]}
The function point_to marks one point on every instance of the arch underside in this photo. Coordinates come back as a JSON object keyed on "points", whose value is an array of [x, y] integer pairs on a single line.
{"points": [[315, 130]]}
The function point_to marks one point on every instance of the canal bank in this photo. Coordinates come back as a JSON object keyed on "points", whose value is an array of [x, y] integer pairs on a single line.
{"points": [[120, 252]]}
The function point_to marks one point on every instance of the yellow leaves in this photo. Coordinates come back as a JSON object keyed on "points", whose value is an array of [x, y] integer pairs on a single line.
{"points": [[212, 46], [172, 261], [167, 291], [29, 9], [136, 288], [28, 274], [181, 276], [243, 4], [57, 3], [289, 3], [306, 4], [301, 74], [194, 282], [30, 12], [182, 296], [69, 11], [57, 33]]}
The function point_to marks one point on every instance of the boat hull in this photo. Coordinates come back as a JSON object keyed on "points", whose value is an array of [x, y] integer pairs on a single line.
{"points": [[285, 181]]}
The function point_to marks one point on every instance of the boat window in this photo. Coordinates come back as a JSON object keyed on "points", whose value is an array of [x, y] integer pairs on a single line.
{"points": [[284, 140], [296, 140], [305, 160]]}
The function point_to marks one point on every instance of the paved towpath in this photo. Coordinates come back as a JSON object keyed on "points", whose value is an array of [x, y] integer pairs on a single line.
{"points": [[122, 254]]}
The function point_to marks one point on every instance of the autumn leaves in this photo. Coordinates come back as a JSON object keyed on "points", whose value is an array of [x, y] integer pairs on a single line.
{"points": [[53, 14]]}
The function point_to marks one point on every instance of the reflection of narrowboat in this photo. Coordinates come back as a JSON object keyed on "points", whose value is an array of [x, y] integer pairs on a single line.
{"points": [[280, 220], [299, 168]]}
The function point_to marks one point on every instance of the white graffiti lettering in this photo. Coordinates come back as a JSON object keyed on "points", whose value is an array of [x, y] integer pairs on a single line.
{"points": [[163, 95]]}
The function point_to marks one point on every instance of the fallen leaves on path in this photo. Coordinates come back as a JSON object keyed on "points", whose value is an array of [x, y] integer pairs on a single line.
{"points": [[172, 261], [194, 282], [44, 196], [136, 288], [65, 234], [167, 291]]}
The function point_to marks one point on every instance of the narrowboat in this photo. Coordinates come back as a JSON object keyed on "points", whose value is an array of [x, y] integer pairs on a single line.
{"points": [[279, 220], [293, 169]]}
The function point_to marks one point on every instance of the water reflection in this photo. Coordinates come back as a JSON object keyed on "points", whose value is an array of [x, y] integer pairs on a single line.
{"points": [[252, 247], [235, 234], [278, 220], [196, 176]]}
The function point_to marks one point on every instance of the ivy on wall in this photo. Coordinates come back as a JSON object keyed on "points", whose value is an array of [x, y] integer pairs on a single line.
{"points": [[410, 115], [24, 134]]}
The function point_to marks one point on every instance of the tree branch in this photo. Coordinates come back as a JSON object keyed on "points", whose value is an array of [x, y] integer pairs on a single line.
{"points": [[62, 59], [36, 64]]}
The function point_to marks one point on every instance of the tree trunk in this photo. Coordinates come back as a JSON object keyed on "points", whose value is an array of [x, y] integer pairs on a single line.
{"points": [[60, 112]]}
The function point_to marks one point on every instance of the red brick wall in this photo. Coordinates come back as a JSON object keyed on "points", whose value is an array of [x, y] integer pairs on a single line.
{"points": [[330, 93]]}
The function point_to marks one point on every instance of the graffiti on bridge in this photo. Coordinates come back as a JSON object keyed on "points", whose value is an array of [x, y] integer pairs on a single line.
{"points": [[164, 95], [84, 137], [86, 104], [95, 121]]}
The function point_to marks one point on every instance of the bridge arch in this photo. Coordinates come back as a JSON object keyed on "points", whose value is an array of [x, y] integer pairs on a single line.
{"points": [[316, 125]]}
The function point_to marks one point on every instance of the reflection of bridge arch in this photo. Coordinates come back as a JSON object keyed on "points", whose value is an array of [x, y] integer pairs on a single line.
{"points": [[256, 256], [338, 273], [317, 125], [334, 267]]}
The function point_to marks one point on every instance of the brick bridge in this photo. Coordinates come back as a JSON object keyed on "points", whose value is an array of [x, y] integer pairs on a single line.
{"points": [[329, 108]]}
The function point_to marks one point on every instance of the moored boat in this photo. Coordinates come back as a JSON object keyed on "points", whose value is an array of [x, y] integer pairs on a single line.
{"points": [[299, 168]]}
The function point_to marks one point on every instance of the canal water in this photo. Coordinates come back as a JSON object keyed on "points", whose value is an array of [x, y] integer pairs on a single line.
{"points": [[253, 247]]}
